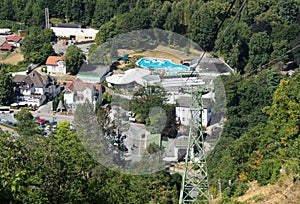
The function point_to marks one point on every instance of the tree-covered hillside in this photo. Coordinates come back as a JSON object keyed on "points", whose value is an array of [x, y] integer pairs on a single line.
{"points": [[260, 140], [263, 31]]}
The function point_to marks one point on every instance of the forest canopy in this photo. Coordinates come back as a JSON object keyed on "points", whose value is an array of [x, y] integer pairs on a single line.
{"points": [[263, 30], [261, 134]]}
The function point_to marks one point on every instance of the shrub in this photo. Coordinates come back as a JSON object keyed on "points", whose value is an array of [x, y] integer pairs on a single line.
{"points": [[268, 171]]}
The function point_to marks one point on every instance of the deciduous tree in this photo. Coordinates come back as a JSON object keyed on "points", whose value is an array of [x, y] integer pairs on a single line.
{"points": [[6, 87], [26, 126], [74, 58]]}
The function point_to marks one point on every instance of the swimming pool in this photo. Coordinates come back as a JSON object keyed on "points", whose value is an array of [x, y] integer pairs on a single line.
{"points": [[160, 63]]}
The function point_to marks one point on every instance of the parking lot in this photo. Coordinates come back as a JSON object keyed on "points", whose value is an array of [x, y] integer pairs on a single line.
{"points": [[135, 141], [60, 48]]}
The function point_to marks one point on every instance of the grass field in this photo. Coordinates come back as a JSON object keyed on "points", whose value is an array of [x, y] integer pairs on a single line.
{"points": [[13, 58]]}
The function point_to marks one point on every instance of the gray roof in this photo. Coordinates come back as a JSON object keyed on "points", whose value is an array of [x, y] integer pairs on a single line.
{"points": [[181, 141], [150, 78], [93, 70], [214, 65], [92, 73], [34, 78], [185, 101]]}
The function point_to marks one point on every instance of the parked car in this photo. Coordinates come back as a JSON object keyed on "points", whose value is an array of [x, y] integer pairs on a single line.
{"points": [[131, 119], [123, 147]]}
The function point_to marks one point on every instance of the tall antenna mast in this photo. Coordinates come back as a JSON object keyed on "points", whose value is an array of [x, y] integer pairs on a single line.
{"points": [[47, 24], [194, 186]]}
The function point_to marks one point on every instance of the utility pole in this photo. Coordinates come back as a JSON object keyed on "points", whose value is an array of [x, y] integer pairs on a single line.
{"points": [[194, 186], [47, 24], [220, 187]]}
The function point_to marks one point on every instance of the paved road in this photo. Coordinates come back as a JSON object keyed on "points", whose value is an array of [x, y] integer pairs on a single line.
{"points": [[48, 116], [135, 143]]}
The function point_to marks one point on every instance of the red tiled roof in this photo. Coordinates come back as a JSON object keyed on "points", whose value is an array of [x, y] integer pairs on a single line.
{"points": [[53, 60], [6, 46], [70, 86], [78, 84], [13, 38]]}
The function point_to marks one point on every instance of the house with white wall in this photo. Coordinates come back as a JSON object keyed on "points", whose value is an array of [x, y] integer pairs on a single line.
{"points": [[56, 65], [34, 88], [183, 111], [78, 92]]}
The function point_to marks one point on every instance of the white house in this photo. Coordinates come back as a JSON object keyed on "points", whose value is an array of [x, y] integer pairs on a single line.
{"points": [[183, 111], [78, 92], [56, 65], [33, 89]]}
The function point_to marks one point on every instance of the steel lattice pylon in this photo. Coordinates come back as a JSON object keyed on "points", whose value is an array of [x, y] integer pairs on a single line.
{"points": [[194, 186]]}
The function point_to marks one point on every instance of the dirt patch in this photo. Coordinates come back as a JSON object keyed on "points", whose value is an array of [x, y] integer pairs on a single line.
{"points": [[67, 78], [284, 192], [159, 54], [14, 58], [163, 52]]}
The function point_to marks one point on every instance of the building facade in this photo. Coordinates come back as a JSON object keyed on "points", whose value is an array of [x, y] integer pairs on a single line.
{"points": [[78, 92], [56, 65], [34, 89]]}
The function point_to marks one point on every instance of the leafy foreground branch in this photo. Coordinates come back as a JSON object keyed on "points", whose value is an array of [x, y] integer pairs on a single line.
{"points": [[57, 169]]}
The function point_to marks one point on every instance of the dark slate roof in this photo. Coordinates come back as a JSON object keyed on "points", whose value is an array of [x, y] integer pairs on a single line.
{"points": [[93, 70], [34, 78]]}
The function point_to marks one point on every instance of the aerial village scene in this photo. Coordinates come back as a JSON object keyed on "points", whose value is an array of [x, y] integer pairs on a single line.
{"points": [[126, 101], [52, 92]]}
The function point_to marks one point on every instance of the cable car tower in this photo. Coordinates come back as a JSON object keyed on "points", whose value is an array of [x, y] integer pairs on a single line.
{"points": [[194, 184]]}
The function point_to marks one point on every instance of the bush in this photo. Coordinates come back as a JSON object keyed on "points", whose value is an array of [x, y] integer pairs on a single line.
{"points": [[240, 189], [227, 200], [268, 171]]}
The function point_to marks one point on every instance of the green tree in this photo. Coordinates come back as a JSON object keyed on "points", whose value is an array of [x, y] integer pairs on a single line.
{"points": [[156, 121], [104, 11], [280, 53], [288, 10], [6, 87], [145, 98], [234, 46], [74, 58], [260, 48], [171, 125], [268, 172], [36, 46], [26, 126], [103, 118], [202, 28], [153, 148]]}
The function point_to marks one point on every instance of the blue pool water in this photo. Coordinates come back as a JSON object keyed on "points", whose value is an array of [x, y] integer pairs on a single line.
{"points": [[160, 63]]}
